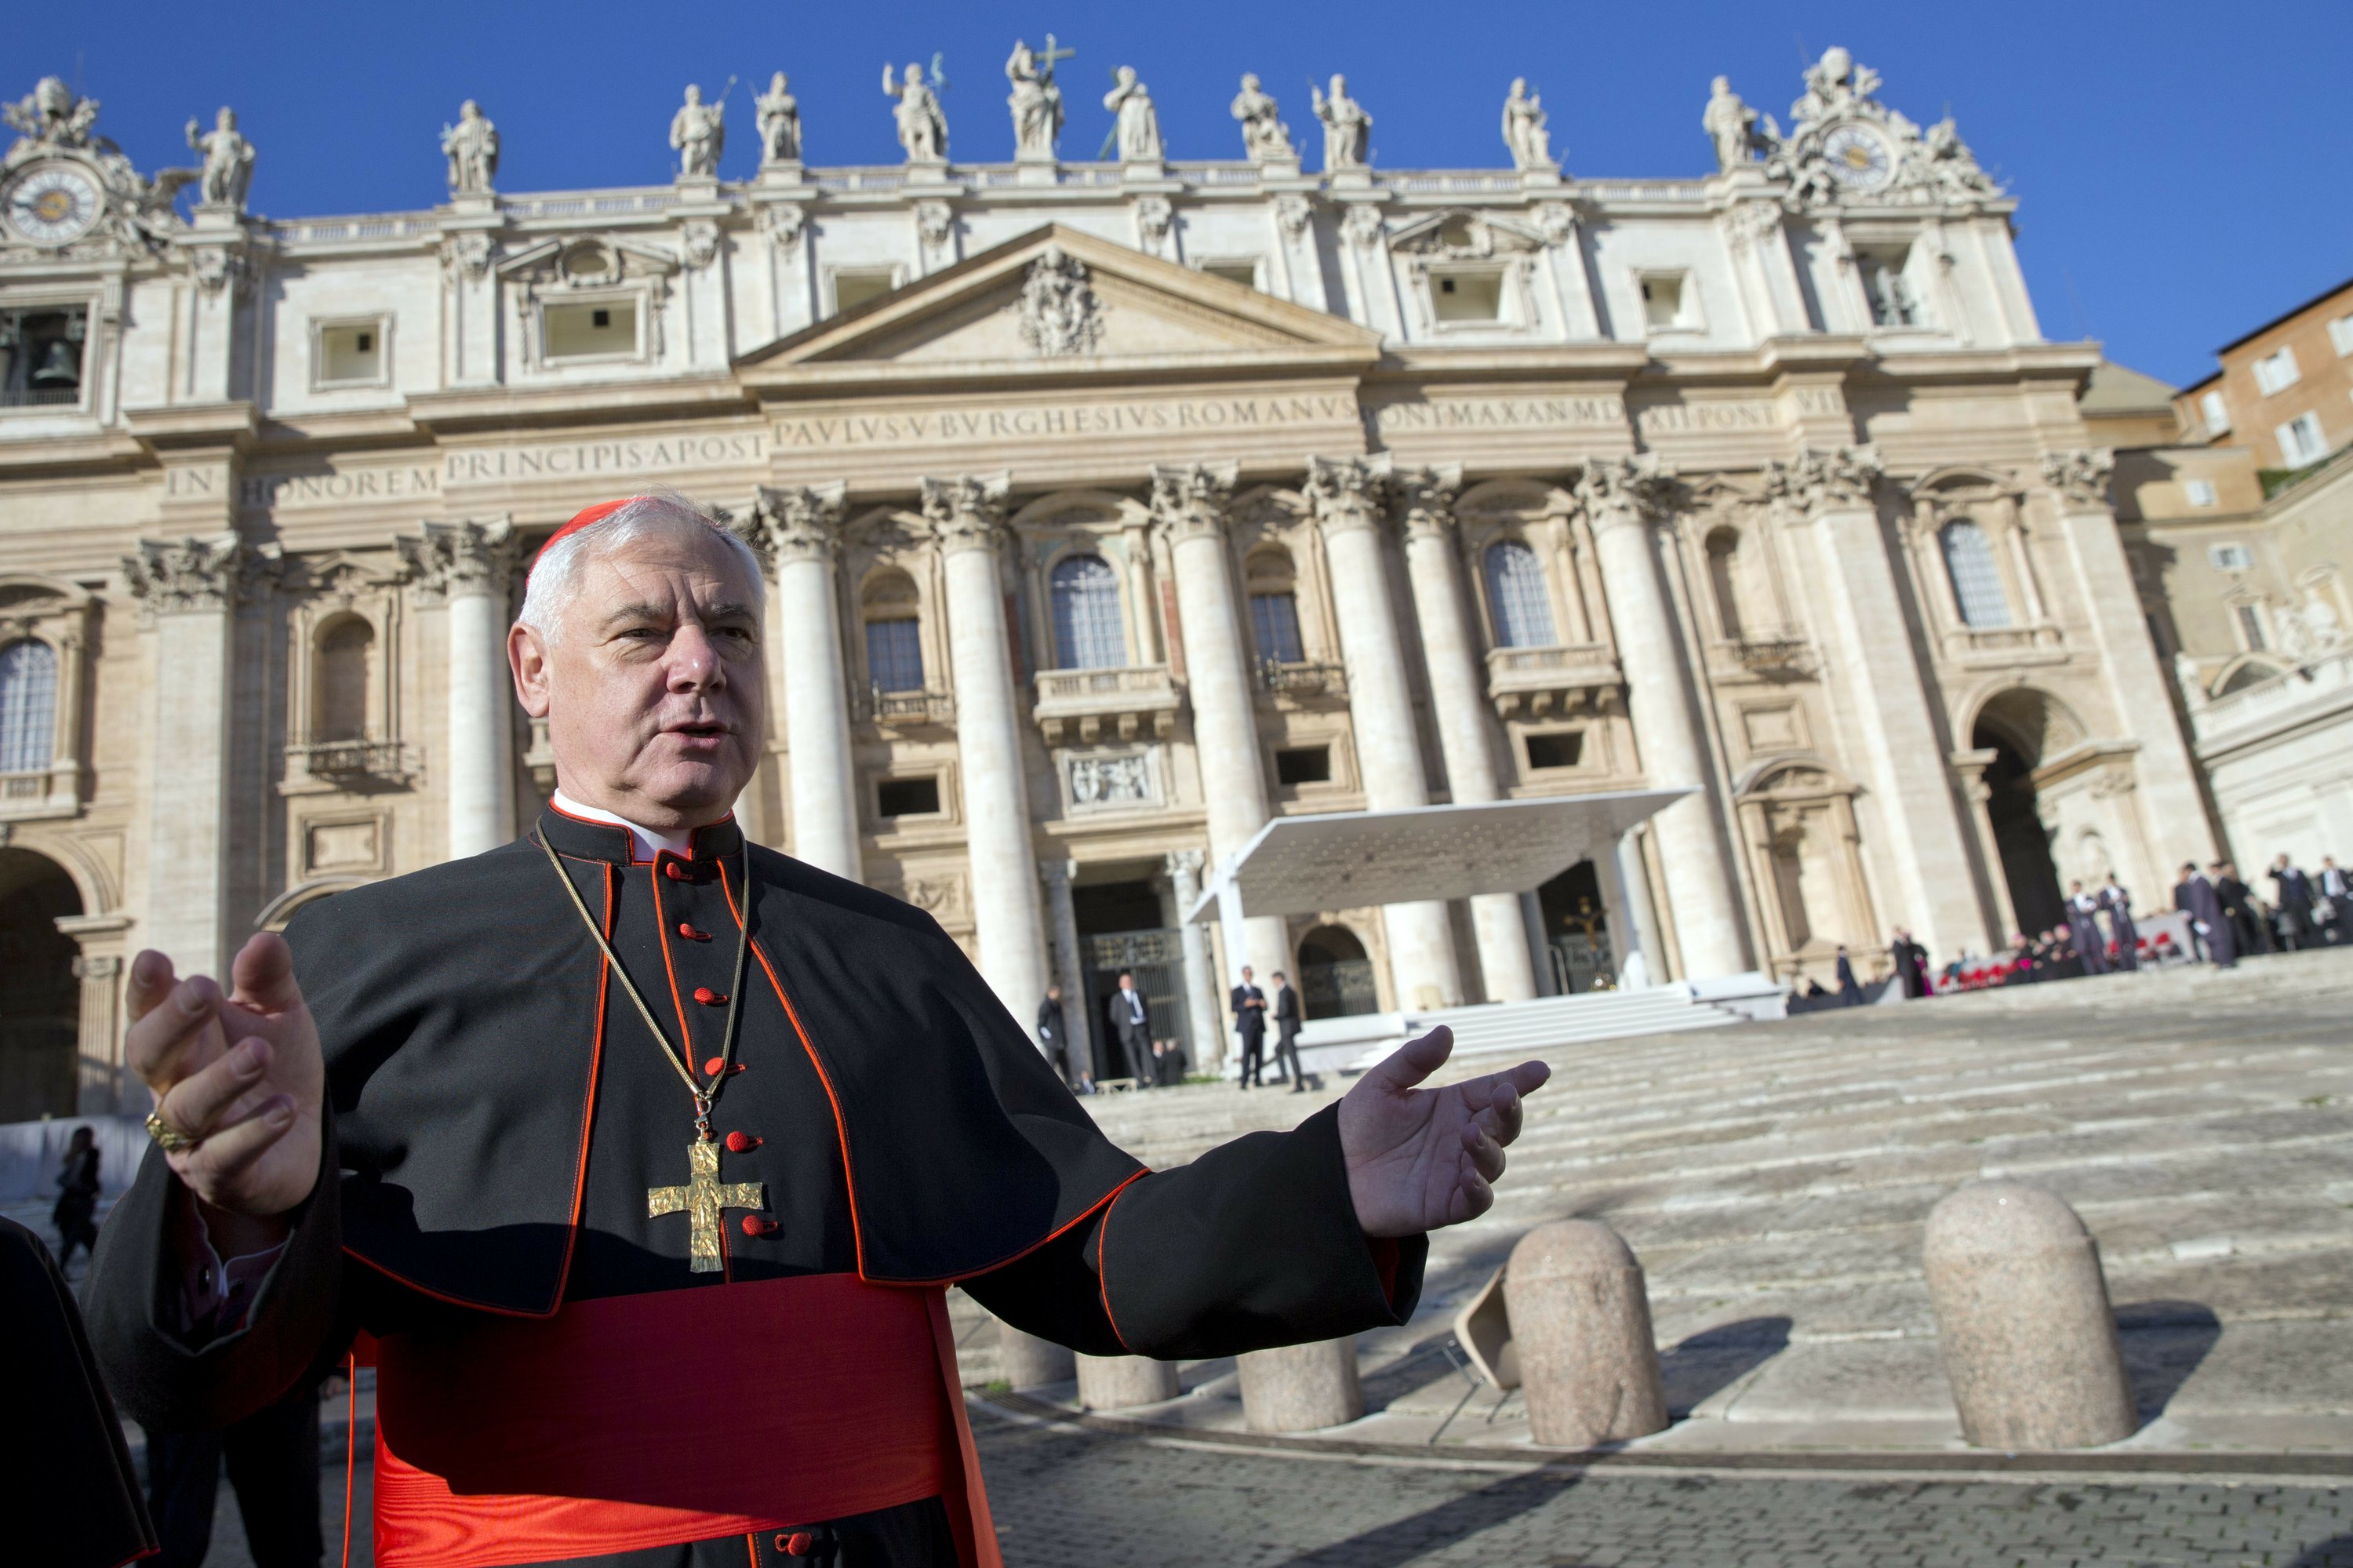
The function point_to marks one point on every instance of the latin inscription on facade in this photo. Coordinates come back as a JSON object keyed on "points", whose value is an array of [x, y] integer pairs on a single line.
{"points": [[1383, 420], [620, 456], [1112, 416]]}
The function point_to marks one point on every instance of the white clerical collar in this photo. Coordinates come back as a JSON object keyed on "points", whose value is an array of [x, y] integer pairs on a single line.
{"points": [[645, 842]]}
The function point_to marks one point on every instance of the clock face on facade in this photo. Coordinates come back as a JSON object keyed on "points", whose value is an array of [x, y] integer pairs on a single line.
{"points": [[52, 204], [1859, 158]]}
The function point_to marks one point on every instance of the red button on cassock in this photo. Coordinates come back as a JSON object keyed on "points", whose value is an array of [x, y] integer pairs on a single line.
{"points": [[797, 1543], [753, 1225], [711, 1067], [741, 1143], [691, 933], [675, 871], [708, 996]]}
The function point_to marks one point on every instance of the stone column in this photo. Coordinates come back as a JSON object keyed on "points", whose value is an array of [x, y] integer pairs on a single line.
{"points": [[1458, 699], [968, 520], [1623, 497], [2167, 777], [1347, 494], [1188, 505], [799, 529], [1121, 1383], [105, 1086], [188, 592], [1070, 966], [471, 563], [1830, 494], [1581, 1325], [1301, 1388], [1201, 993]]}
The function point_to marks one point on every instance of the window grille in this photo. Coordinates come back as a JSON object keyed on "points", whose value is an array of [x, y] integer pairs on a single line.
{"points": [[1274, 620], [28, 705], [1976, 581], [1087, 631], [894, 654], [1516, 595]]}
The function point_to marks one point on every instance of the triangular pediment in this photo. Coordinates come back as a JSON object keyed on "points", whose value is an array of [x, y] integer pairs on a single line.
{"points": [[1099, 305]]}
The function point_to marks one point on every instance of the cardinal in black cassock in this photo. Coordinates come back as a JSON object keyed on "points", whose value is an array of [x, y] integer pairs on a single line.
{"points": [[637, 1158]]}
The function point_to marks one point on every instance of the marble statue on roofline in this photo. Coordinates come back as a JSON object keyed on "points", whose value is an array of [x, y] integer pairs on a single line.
{"points": [[1347, 128], [923, 123], [697, 131], [229, 161], [1036, 101], [1524, 128], [1265, 138], [1139, 128], [471, 145], [1741, 135], [779, 118]]}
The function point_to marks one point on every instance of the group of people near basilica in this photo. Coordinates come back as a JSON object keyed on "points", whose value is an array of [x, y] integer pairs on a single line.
{"points": [[2228, 921], [1134, 1056]]}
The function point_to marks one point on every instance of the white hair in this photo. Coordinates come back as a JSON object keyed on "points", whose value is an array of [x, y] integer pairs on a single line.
{"points": [[554, 580]]}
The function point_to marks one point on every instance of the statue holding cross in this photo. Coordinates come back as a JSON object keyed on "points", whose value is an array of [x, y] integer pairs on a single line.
{"points": [[1037, 103]]}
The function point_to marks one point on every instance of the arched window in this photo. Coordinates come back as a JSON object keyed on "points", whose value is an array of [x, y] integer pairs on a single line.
{"points": [[1723, 545], [894, 633], [1087, 631], [28, 705], [1976, 581], [340, 696], [1516, 596], [1274, 608]]}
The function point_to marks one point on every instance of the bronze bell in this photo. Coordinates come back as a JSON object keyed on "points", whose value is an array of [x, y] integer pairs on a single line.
{"points": [[59, 367]]}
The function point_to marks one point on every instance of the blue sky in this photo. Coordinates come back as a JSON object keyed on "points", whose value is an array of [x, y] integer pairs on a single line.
{"points": [[2183, 170]]}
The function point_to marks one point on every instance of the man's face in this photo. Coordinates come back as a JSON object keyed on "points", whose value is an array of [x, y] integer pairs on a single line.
{"points": [[1126, 983], [652, 686]]}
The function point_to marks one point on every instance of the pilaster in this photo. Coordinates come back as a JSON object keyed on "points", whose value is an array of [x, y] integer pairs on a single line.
{"points": [[797, 530], [1069, 965]]}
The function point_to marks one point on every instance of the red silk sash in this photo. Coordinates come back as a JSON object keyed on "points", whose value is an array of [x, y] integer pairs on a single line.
{"points": [[640, 1420]]}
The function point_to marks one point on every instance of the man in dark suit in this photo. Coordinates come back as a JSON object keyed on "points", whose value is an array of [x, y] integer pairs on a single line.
{"points": [[2239, 908], [2195, 897], [1849, 992], [1249, 1021], [2293, 898], [1131, 1030], [1911, 961], [2084, 930], [1051, 1037], [2336, 898], [1286, 1033]]}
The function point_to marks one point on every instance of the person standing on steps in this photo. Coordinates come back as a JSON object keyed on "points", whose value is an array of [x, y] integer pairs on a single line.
{"points": [[1131, 1027], [1849, 992], [2241, 908], [1249, 1023], [1286, 1033], [77, 1197], [1050, 1035]]}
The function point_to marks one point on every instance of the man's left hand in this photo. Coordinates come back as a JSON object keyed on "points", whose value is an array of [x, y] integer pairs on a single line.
{"points": [[1419, 1158]]}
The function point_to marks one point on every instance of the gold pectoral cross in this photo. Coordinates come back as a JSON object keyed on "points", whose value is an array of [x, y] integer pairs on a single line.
{"points": [[703, 1197]]}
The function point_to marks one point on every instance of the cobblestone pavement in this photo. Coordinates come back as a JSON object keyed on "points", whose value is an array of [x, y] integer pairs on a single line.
{"points": [[1085, 1500]]}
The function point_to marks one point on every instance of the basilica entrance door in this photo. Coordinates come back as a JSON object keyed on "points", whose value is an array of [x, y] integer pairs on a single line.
{"points": [[1576, 931], [40, 1000]]}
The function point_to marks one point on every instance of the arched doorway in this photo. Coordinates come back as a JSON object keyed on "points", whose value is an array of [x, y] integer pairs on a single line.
{"points": [[40, 999], [1335, 978], [2022, 730], [1576, 931]]}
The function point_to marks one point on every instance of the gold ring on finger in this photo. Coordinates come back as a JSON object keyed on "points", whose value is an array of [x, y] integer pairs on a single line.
{"points": [[172, 1139]]}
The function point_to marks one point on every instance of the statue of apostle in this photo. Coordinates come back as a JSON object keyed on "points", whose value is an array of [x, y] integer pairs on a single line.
{"points": [[1524, 128], [923, 123], [1138, 127], [1265, 138], [1036, 101], [1732, 126], [471, 145], [699, 134], [1347, 128], [229, 161], [643, 1154], [780, 124]]}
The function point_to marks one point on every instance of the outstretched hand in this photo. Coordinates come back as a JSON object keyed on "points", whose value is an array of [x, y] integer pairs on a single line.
{"points": [[240, 1073], [1419, 1158]]}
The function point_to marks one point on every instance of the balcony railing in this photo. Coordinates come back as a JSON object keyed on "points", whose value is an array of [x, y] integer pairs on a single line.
{"points": [[2040, 643], [897, 709], [1537, 680], [1128, 698], [1302, 678], [347, 764], [1769, 653]]}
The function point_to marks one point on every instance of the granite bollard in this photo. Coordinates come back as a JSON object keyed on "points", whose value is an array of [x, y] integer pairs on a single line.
{"points": [[1300, 1388], [1581, 1336], [2023, 1321], [1029, 1361], [1119, 1382]]}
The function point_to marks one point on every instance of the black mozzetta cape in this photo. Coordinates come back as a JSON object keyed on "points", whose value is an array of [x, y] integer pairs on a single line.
{"points": [[498, 1111]]}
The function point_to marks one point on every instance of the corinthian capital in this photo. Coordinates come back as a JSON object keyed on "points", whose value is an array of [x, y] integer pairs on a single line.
{"points": [[1424, 497], [1190, 499], [2080, 475], [794, 522], [966, 512], [454, 559], [1816, 480], [1348, 492], [1626, 488], [176, 577]]}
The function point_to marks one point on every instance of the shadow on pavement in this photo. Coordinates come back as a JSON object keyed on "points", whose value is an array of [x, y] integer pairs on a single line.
{"points": [[1712, 1360], [2335, 1553], [2164, 1342], [1409, 1539]]}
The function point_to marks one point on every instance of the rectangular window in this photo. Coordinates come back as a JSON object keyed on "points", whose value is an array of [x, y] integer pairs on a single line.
{"points": [[2230, 557], [1892, 303], [907, 797], [41, 357], [1662, 301], [2200, 492], [894, 654], [2250, 628], [2275, 372], [2340, 336], [351, 354], [591, 330], [1560, 748], [1303, 765], [854, 286], [1275, 622], [2216, 413], [1241, 270], [2301, 441], [1467, 296]]}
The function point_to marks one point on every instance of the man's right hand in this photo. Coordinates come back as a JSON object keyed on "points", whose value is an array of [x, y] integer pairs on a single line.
{"points": [[243, 1074]]}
